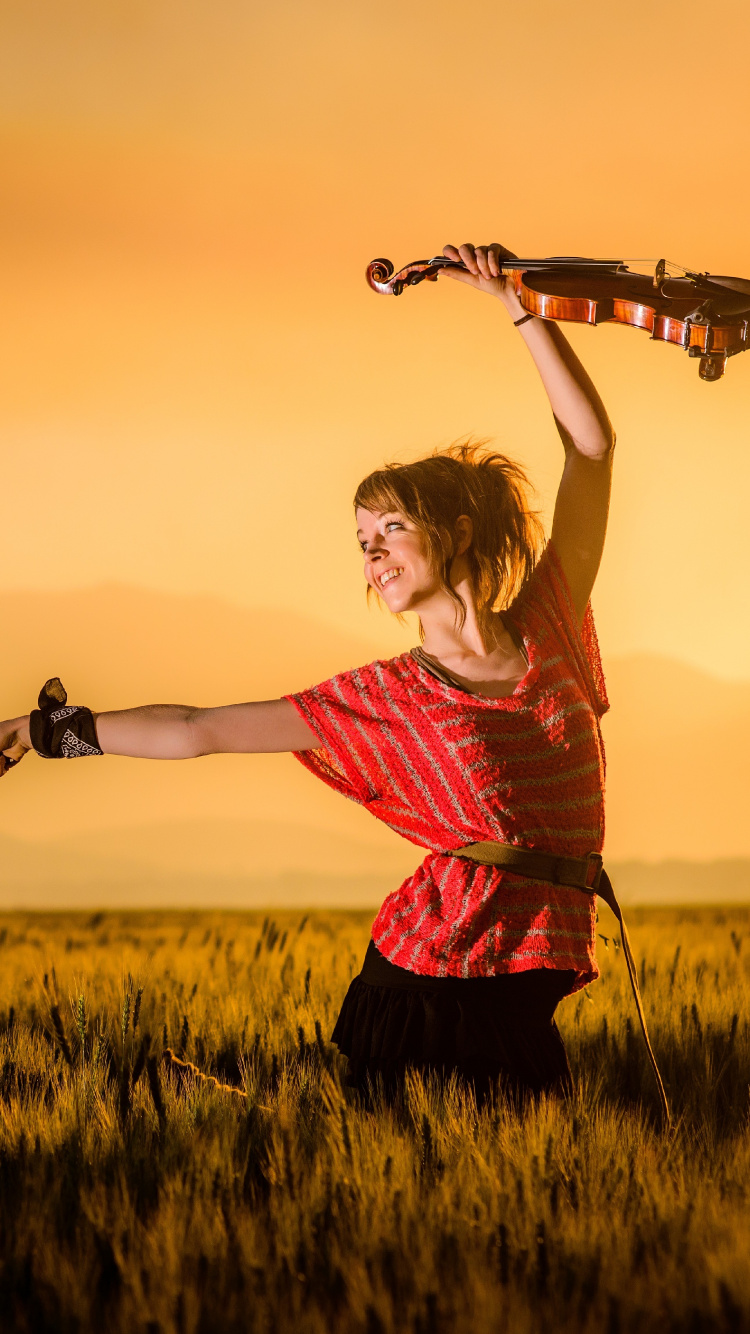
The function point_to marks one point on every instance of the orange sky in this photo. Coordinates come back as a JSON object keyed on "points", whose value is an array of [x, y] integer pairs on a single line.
{"points": [[194, 373]]}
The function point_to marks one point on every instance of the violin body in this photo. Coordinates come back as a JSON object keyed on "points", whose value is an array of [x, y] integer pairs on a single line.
{"points": [[708, 317]]}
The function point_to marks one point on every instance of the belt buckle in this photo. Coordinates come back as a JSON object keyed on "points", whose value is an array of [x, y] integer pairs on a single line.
{"points": [[593, 860]]}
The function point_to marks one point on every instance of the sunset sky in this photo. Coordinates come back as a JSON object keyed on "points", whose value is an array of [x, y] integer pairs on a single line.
{"points": [[194, 373]]}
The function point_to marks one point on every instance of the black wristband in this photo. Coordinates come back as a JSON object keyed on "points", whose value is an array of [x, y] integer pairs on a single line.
{"points": [[523, 319], [62, 731]]}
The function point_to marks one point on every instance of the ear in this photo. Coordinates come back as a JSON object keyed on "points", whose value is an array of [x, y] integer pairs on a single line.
{"points": [[462, 534]]}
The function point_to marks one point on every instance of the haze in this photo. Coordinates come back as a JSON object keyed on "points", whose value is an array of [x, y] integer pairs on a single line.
{"points": [[195, 375]]}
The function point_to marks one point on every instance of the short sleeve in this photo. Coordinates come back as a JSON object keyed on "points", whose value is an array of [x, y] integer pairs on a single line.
{"points": [[343, 714], [546, 595]]}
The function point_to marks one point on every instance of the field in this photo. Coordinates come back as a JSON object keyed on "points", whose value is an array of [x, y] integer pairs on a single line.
{"points": [[136, 1197]]}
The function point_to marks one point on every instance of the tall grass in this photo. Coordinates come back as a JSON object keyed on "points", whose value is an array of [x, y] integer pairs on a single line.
{"points": [[134, 1196]]}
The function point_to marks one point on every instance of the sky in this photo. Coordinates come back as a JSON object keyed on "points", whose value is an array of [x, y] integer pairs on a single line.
{"points": [[194, 374]]}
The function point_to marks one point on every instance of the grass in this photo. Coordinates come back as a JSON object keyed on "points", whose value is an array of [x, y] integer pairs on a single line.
{"points": [[137, 1197]]}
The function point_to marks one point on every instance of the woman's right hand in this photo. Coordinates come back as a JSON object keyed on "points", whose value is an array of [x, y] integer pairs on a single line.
{"points": [[14, 742], [483, 271]]}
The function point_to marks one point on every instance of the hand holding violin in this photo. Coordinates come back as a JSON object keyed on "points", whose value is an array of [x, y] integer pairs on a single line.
{"points": [[483, 271]]}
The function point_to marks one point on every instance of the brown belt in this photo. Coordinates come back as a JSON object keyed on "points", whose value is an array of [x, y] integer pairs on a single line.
{"points": [[586, 874]]}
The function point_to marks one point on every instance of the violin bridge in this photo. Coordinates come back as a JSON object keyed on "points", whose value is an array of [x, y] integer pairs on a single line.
{"points": [[660, 273]]}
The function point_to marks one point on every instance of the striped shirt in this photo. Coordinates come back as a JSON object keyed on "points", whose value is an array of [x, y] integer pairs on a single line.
{"points": [[444, 768]]}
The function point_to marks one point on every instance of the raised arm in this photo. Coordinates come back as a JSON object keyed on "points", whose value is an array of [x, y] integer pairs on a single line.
{"points": [[581, 509], [179, 732]]}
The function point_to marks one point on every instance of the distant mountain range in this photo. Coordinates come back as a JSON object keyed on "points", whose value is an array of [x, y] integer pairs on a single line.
{"points": [[678, 752], [678, 745], [117, 646], [231, 864], [218, 849]]}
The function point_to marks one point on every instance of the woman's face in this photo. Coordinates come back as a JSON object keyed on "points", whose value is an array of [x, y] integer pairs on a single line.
{"points": [[397, 563]]}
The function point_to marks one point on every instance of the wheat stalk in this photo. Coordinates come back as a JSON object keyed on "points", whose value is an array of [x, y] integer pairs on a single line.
{"points": [[183, 1068]]}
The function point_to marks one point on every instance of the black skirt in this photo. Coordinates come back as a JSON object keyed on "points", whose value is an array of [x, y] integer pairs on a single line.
{"points": [[490, 1031]]}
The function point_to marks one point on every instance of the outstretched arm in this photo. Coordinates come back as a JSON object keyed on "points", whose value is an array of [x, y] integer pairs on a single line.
{"points": [[179, 732], [580, 521]]}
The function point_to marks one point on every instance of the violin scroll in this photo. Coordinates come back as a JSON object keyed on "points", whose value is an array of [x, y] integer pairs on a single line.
{"points": [[382, 279], [378, 274]]}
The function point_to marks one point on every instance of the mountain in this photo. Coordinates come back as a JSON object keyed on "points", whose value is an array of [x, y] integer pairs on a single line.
{"points": [[221, 862], [218, 848], [115, 646], [678, 742], [678, 751], [235, 864]]}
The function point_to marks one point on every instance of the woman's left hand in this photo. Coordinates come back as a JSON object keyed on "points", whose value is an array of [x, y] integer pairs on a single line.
{"points": [[14, 743], [484, 270]]}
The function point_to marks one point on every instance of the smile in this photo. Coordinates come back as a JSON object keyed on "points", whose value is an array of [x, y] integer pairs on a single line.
{"points": [[390, 574]]}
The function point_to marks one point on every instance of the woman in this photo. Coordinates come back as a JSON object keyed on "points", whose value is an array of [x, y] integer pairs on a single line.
{"points": [[487, 735]]}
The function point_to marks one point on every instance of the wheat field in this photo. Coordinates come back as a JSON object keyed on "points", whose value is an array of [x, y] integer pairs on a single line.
{"points": [[135, 1196]]}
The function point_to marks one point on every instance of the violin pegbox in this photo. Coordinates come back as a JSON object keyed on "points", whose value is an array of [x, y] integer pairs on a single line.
{"points": [[382, 279]]}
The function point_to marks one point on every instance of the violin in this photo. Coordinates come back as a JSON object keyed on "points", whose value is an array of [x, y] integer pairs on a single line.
{"points": [[708, 316]]}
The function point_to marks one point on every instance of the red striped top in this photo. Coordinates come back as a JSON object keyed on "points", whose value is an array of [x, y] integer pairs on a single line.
{"points": [[444, 768]]}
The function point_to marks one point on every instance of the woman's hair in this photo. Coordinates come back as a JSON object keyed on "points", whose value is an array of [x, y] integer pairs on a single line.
{"points": [[466, 478]]}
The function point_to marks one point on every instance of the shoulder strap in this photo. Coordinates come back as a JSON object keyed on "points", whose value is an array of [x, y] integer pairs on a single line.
{"points": [[437, 670], [606, 892]]}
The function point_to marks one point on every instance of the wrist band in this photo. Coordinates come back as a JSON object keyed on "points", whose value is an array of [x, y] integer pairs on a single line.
{"points": [[523, 319], [62, 731]]}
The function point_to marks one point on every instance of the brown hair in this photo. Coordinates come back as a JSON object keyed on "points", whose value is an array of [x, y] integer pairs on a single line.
{"points": [[466, 478]]}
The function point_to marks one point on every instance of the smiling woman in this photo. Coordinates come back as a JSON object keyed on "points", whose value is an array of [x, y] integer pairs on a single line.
{"points": [[485, 737], [462, 502]]}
